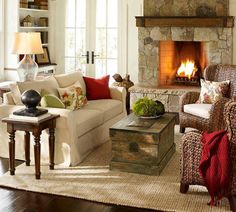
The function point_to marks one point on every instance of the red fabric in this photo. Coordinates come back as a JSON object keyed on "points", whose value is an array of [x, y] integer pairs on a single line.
{"points": [[215, 165], [97, 88]]}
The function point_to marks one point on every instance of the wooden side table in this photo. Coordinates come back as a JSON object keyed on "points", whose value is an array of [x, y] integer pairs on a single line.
{"points": [[36, 128]]}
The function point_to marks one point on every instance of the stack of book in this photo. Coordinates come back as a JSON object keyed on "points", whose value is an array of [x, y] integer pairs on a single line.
{"points": [[23, 3], [43, 5], [44, 37], [29, 118]]}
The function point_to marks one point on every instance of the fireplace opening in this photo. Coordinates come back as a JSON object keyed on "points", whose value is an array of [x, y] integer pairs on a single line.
{"points": [[181, 62]]}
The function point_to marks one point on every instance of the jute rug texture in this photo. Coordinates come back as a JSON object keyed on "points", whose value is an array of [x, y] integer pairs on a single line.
{"points": [[92, 180]]}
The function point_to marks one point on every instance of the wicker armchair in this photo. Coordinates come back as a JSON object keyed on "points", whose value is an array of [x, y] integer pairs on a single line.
{"points": [[191, 154], [216, 73]]}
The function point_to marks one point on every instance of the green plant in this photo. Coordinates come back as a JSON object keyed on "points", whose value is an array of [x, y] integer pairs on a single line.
{"points": [[147, 107]]}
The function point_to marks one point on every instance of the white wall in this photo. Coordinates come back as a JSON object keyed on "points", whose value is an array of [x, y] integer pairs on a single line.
{"points": [[232, 12], [10, 27], [134, 8], [1, 40]]}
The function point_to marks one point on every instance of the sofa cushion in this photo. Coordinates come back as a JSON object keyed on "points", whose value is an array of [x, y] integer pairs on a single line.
{"points": [[97, 88], [15, 93], [79, 121], [201, 110], [50, 84], [109, 107], [66, 80]]}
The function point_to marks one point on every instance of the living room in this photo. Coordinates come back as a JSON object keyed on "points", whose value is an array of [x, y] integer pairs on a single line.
{"points": [[117, 105]]}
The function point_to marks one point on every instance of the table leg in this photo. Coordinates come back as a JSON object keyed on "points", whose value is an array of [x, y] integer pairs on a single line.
{"points": [[12, 152], [51, 147], [27, 148], [37, 150]]}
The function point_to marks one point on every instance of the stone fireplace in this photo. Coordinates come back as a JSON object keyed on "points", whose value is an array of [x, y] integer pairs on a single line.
{"points": [[175, 31]]}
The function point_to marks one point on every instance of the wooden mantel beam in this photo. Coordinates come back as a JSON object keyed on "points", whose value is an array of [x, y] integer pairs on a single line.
{"points": [[185, 21]]}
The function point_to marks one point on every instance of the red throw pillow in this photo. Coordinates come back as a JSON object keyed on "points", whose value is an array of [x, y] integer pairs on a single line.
{"points": [[97, 88]]}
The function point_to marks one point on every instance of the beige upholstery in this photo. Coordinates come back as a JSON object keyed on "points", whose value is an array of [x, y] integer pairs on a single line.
{"points": [[201, 110]]}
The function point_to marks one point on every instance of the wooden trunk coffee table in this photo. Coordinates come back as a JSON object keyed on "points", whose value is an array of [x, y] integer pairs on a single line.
{"points": [[142, 146]]}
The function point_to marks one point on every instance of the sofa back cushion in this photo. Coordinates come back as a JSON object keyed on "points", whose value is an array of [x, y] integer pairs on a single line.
{"points": [[66, 80], [50, 84]]}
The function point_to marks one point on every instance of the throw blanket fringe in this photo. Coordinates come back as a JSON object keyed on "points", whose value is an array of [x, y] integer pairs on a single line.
{"points": [[215, 167]]}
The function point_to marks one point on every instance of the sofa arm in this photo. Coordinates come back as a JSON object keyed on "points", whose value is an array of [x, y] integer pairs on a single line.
{"points": [[188, 98], [119, 93], [7, 99], [216, 119]]}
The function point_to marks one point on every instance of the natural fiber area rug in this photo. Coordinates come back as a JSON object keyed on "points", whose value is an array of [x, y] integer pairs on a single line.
{"points": [[93, 180]]}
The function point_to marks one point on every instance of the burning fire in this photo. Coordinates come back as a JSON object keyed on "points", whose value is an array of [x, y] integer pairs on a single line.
{"points": [[187, 69]]}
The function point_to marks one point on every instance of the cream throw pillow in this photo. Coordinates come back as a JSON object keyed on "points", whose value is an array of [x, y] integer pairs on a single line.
{"points": [[16, 95], [212, 91], [69, 79]]}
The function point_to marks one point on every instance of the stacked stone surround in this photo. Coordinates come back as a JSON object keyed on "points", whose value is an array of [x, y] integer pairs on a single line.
{"points": [[219, 47], [184, 7], [219, 42]]}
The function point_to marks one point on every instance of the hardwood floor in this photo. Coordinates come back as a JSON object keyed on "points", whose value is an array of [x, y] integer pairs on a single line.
{"points": [[12, 200]]}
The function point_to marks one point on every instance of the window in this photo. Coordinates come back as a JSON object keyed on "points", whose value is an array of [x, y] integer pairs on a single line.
{"points": [[91, 36]]}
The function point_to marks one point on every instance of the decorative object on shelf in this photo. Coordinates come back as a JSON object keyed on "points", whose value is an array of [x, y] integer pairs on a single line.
{"points": [[27, 44], [30, 99], [148, 108], [44, 58], [43, 22], [28, 21], [126, 83]]}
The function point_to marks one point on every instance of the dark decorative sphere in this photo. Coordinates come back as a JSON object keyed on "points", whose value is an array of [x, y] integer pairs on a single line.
{"points": [[161, 108], [30, 99]]}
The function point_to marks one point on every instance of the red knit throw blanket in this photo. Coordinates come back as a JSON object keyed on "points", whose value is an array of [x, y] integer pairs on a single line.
{"points": [[215, 165]]}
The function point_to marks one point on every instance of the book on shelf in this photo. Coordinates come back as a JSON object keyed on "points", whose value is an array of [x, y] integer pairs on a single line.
{"points": [[29, 118]]}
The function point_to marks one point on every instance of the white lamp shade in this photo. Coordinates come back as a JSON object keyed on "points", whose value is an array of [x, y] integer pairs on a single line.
{"points": [[27, 43]]}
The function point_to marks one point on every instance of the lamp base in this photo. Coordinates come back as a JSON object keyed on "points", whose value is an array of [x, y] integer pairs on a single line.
{"points": [[27, 69]]}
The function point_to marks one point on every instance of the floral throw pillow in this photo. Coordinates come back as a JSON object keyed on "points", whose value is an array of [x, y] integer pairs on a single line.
{"points": [[212, 91], [72, 97]]}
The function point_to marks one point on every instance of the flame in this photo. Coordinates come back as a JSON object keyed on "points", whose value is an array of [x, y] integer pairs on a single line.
{"points": [[187, 69]]}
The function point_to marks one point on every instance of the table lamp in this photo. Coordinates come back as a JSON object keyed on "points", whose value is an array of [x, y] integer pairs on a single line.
{"points": [[27, 44]]}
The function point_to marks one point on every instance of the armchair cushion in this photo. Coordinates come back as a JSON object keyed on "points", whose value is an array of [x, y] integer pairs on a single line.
{"points": [[201, 110]]}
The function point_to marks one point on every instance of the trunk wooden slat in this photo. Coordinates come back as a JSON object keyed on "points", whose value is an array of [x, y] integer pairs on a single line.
{"points": [[145, 148]]}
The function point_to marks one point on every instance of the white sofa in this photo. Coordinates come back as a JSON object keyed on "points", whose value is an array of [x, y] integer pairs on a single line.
{"points": [[77, 132]]}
